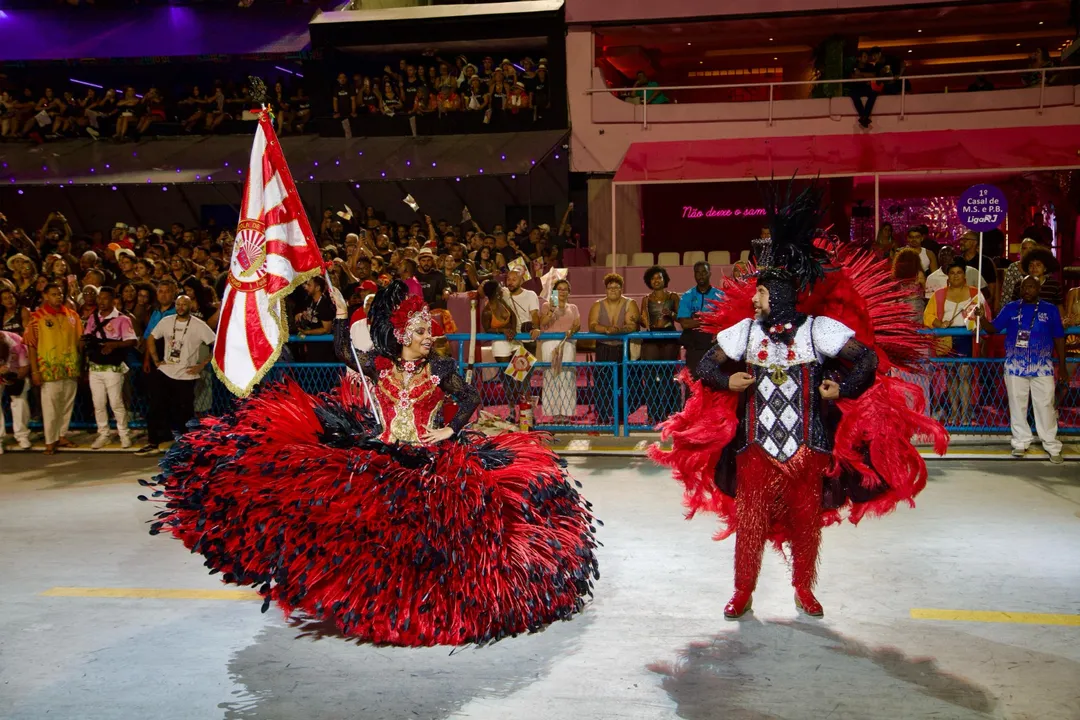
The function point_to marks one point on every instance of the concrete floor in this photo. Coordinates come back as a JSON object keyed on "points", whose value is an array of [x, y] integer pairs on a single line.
{"points": [[987, 536]]}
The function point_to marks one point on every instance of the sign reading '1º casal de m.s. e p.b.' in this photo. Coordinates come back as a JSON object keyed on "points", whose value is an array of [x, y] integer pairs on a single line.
{"points": [[982, 208]]}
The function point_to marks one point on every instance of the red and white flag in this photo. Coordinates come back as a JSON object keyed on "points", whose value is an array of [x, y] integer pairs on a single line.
{"points": [[274, 251]]}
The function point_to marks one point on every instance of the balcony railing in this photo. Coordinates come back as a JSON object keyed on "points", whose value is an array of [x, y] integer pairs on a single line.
{"points": [[902, 79]]}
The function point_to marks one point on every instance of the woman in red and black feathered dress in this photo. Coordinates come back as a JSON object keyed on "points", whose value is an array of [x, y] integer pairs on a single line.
{"points": [[401, 529]]}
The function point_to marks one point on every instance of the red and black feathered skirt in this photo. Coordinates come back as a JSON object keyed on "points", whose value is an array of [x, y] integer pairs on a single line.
{"points": [[467, 542]]}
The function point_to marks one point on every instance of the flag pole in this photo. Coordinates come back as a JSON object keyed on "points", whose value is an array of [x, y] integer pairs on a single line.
{"points": [[978, 325]]}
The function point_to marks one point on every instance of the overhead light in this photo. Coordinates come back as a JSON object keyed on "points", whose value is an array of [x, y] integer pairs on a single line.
{"points": [[770, 39], [973, 59], [1038, 35], [918, 31], [1040, 22], [1017, 44], [701, 62], [689, 44], [911, 51], [776, 58]]}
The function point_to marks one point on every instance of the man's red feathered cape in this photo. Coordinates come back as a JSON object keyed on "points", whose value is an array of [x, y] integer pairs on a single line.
{"points": [[873, 440]]}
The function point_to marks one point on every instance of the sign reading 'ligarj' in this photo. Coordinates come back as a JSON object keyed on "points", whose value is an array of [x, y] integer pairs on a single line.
{"points": [[982, 208]]}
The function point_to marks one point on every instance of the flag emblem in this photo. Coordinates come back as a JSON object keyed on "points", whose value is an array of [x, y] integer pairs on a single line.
{"points": [[250, 253]]}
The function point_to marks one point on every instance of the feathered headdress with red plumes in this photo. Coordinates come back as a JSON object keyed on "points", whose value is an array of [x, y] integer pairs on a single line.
{"points": [[395, 316], [411, 315]]}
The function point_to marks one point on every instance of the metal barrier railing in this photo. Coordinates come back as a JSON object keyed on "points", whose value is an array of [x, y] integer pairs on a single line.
{"points": [[626, 394], [772, 86]]}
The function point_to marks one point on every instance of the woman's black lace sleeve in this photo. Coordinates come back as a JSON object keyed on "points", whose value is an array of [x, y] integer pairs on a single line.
{"points": [[344, 350], [710, 371], [464, 395], [864, 363], [343, 343]]}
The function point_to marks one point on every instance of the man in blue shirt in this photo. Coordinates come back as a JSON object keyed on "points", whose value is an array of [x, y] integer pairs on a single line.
{"points": [[1033, 333], [166, 298], [692, 302]]}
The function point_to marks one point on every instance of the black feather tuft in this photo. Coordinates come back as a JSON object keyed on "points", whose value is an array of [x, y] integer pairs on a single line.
{"points": [[793, 224]]}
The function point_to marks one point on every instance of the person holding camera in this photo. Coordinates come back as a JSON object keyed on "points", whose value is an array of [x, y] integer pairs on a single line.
{"points": [[14, 379], [108, 337]]}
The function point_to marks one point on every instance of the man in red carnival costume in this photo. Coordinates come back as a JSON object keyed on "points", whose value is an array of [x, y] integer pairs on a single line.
{"points": [[795, 419]]}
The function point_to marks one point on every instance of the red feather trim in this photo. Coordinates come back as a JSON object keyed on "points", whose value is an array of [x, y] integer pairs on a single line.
{"points": [[478, 540], [858, 290], [699, 434], [880, 423]]}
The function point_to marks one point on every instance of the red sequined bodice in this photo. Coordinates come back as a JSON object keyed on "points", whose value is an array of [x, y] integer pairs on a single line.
{"points": [[410, 399]]}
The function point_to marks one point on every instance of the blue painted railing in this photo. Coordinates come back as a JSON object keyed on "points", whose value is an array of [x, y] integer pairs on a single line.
{"points": [[614, 397]]}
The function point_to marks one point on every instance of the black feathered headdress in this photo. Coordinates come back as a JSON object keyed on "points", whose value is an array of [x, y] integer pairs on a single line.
{"points": [[386, 302], [791, 255]]}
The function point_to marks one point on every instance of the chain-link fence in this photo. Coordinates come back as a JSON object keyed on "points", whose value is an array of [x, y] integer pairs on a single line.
{"points": [[575, 396], [967, 395]]}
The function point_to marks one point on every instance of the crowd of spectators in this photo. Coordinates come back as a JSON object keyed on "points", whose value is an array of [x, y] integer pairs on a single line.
{"points": [[956, 288], [114, 289], [125, 115], [419, 96], [460, 94]]}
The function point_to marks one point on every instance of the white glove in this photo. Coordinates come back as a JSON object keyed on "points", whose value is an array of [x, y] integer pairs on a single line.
{"points": [[341, 307]]}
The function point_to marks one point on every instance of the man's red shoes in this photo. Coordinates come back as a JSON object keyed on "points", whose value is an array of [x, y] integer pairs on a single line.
{"points": [[807, 603], [740, 604]]}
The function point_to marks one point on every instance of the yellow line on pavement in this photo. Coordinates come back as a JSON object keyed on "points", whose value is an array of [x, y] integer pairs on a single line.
{"points": [[994, 616], [152, 593]]}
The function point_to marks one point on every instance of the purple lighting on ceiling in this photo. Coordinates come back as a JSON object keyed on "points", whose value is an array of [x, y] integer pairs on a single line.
{"points": [[226, 164], [20, 191], [291, 72], [114, 187], [87, 84]]}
